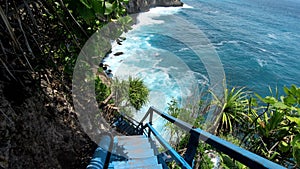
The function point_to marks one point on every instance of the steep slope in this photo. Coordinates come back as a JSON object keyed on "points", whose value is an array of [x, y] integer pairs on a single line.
{"points": [[136, 6]]}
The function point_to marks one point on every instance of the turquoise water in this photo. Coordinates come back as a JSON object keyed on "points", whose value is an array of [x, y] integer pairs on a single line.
{"points": [[257, 43]]}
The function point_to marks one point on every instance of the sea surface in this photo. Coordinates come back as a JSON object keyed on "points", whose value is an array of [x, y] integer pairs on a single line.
{"points": [[181, 52]]}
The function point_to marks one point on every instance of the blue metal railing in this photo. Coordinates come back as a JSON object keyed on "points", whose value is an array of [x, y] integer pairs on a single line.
{"points": [[167, 146], [102, 154], [244, 156]]}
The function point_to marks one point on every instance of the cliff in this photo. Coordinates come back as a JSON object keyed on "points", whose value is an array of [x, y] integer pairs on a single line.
{"points": [[136, 6], [39, 127]]}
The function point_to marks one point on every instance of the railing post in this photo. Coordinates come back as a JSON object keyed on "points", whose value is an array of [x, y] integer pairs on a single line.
{"points": [[150, 122], [191, 147]]}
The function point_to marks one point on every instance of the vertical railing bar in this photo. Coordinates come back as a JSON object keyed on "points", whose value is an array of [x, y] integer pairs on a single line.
{"points": [[144, 118], [150, 121], [242, 155], [192, 147], [167, 146]]}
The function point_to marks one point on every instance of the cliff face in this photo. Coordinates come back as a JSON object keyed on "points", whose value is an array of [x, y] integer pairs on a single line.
{"points": [[39, 132], [38, 124], [136, 6]]}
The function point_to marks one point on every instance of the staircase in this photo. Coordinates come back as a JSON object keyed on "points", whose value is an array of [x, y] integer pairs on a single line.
{"points": [[137, 152]]}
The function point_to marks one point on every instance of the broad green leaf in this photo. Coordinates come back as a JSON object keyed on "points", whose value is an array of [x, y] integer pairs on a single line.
{"points": [[290, 100], [294, 119], [286, 90], [296, 149], [284, 146], [294, 89], [280, 105], [108, 8], [268, 99]]}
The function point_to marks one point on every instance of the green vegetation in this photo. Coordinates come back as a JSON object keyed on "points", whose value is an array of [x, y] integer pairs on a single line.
{"points": [[268, 126], [233, 106], [129, 93], [180, 141], [44, 38], [138, 93], [40, 43], [102, 91]]}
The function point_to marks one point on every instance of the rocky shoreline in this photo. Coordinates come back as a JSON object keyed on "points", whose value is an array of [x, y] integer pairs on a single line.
{"points": [[136, 6]]}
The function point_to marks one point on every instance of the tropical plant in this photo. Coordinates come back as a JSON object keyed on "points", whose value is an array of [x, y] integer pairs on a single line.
{"points": [[232, 107], [229, 163], [120, 91], [130, 93], [173, 110], [138, 93], [275, 132]]}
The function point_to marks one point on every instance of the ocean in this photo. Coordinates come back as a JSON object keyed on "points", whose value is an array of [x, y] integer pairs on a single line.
{"points": [[180, 52]]}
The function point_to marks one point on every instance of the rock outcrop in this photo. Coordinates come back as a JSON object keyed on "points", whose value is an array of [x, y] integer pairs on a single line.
{"points": [[136, 6], [39, 132]]}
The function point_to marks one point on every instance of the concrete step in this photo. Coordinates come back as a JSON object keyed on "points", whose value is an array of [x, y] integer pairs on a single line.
{"points": [[156, 166], [137, 150], [140, 153], [134, 137], [132, 141], [136, 162], [135, 146]]}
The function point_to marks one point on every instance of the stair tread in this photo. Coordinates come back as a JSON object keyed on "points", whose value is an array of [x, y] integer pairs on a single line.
{"points": [[130, 137], [156, 166], [137, 150], [124, 164], [132, 141], [142, 161], [134, 146]]}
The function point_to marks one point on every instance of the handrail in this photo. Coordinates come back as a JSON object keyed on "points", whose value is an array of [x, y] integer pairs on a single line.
{"points": [[167, 146], [244, 156], [102, 154], [133, 122], [129, 118]]}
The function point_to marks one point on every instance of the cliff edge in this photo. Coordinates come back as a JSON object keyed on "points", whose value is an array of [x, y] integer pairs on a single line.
{"points": [[136, 6]]}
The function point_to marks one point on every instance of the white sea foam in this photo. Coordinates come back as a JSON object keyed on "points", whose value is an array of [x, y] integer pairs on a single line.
{"points": [[165, 74], [227, 42], [272, 36], [149, 18], [262, 62], [187, 6], [184, 49]]}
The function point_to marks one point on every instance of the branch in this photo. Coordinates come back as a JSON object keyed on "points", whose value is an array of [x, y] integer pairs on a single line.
{"points": [[31, 16], [9, 28], [72, 17], [27, 44]]}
